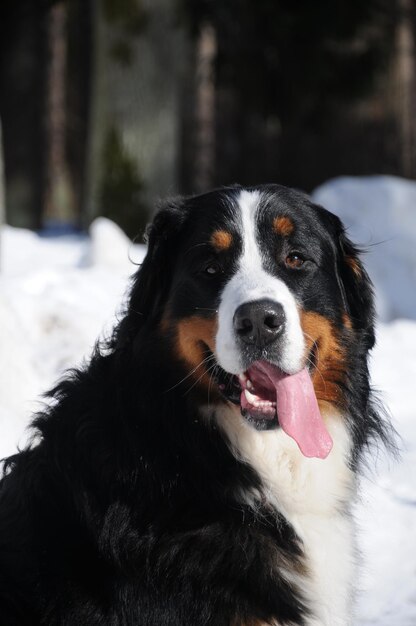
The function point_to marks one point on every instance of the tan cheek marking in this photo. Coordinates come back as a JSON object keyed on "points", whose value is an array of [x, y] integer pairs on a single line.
{"points": [[190, 332], [283, 226], [330, 356], [221, 240], [354, 264]]}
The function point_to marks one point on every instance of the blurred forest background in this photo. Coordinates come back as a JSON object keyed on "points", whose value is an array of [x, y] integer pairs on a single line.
{"points": [[108, 105]]}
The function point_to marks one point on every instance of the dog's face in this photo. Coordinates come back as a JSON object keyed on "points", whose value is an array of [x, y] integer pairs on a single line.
{"points": [[261, 295]]}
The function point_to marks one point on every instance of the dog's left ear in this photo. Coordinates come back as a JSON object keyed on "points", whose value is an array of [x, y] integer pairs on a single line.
{"points": [[356, 286], [152, 281]]}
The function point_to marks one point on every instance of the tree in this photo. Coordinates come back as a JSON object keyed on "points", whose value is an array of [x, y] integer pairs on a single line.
{"points": [[286, 73]]}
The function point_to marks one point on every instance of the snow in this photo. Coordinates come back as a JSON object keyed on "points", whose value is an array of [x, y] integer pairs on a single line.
{"points": [[58, 295], [386, 513], [380, 214]]}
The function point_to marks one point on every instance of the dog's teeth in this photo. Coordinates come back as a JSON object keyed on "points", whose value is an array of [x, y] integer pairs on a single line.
{"points": [[255, 401], [249, 384], [250, 398], [259, 404]]}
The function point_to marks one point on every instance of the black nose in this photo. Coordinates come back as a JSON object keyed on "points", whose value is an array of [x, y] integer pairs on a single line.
{"points": [[259, 323]]}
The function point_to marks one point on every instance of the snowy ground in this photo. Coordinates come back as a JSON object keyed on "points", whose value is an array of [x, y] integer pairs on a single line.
{"points": [[56, 296]]}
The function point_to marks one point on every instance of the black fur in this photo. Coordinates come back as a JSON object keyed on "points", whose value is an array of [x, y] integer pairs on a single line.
{"points": [[127, 510]]}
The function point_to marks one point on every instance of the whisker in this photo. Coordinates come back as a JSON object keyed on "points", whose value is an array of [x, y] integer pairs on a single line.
{"points": [[202, 375], [313, 344], [315, 365], [211, 378], [317, 369], [207, 358]]}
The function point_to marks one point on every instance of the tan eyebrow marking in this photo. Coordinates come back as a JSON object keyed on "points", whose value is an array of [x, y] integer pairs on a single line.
{"points": [[283, 225], [221, 239]]}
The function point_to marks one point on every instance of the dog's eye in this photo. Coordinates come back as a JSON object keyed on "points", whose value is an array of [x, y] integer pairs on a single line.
{"points": [[212, 269], [294, 260]]}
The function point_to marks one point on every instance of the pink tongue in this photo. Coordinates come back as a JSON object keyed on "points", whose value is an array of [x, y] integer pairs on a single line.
{"points": [[297, 408]]}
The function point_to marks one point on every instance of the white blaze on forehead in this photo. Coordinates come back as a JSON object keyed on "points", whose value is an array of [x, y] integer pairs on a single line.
{"points": [[252, 282]]}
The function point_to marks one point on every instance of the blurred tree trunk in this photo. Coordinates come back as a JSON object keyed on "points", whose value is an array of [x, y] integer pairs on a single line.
{"points": [[44, 95], [59, 202], [22, 56], [134, 138], [204, 161], [406, 87], [78, 99]]}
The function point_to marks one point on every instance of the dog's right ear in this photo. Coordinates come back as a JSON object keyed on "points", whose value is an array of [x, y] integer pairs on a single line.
{"points": [[151, 282]]}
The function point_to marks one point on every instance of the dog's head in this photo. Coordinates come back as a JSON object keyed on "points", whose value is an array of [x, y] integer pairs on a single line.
{"points": [[265, 304]]}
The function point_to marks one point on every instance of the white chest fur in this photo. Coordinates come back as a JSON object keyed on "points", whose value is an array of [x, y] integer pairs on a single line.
{"points": [[314, 496]]}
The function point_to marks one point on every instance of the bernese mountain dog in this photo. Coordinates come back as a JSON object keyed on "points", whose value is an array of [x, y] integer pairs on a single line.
{"points": [[200, 469]]}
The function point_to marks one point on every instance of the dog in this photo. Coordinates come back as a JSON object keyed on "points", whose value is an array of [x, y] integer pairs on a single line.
{"points": [[200, 469]]}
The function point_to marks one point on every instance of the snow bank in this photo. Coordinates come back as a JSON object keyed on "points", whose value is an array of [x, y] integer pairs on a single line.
{"points": [[386, 513], [56, 297], [19, 382], [110, 246], [380, 213]]}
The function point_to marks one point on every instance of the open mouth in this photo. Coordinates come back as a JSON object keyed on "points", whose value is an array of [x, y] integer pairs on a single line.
{"points": [[253, 393], [269, 398]]}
